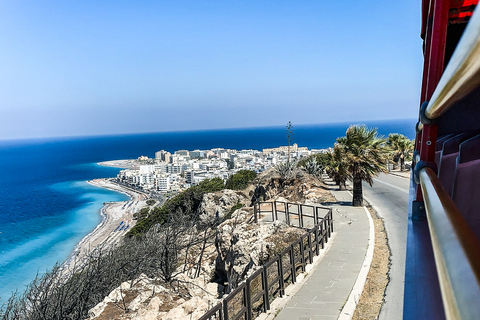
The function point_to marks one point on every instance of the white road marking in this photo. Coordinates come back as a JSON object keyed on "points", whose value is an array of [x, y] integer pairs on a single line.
{"points": [[391, 185]]}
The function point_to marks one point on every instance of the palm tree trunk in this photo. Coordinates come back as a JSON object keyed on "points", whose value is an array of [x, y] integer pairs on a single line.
{"points": [[357, 192], [402, 162]]}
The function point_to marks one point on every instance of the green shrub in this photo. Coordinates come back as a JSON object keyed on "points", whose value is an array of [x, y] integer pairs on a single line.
{"points": [[186, 203], [240, 180], [311, 166], [320, 158], [211, 185], [287, 170], [232, 210]]}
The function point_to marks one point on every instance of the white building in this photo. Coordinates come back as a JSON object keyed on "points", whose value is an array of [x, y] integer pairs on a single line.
{"points": [[162, 183], [164, 156]]}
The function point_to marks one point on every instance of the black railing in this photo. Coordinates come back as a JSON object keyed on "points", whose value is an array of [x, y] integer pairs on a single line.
{"points": [[255, 294], [293, 214]]}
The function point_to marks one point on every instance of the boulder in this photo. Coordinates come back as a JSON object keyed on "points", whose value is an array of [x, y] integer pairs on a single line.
{"points": [[215, 206], [242, 246]]}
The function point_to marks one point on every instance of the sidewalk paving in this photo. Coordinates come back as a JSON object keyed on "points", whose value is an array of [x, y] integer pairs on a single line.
{"points": [[325, 291]]}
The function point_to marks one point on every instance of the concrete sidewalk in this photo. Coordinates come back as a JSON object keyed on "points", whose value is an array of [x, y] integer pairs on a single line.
{"points": [[326, 289]]}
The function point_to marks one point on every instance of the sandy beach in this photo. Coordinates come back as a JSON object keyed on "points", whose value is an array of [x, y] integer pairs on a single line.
{"points": [[117, 220], [123, 164]]}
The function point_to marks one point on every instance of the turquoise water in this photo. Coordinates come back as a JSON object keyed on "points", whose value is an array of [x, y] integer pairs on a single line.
{"points": [[20, 262]]}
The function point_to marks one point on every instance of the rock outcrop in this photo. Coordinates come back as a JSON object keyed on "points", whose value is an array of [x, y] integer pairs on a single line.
{"points": [[145, 300], [240, 247], [243, 246], [302, 189], [216, 205]]}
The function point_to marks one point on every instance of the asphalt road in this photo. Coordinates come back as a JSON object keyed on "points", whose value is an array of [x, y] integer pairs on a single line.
{"points": [[389, 194]]}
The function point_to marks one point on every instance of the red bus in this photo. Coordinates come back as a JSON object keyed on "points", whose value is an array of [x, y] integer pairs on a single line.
{"points": [[442, 273]]}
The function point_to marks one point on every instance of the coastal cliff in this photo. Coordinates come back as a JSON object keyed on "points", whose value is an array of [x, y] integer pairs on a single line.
{"points": [[232, 250]]}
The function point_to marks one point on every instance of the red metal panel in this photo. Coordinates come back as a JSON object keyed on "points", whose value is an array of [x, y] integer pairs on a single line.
{"points": [[438, 41], [426, 51], [425, 13], [435, 40], [461, 10]]}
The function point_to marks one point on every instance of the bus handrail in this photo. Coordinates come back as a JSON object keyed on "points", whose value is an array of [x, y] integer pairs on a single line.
{"points": [[456, 250], [462, 74]]}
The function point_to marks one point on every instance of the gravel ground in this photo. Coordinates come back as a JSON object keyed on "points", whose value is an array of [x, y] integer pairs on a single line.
{"points": [[373, 293]]}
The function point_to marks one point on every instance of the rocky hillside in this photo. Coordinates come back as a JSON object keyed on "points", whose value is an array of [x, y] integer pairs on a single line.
{"points": [[235, 248], [303, 188]]}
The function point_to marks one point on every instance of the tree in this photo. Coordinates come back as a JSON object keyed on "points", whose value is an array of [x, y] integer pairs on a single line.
{"points": [[365, 153], [401, 147], [289, 137], [336, 166]]}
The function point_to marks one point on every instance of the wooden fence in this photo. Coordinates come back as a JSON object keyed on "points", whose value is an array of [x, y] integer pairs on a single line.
{"points": [[254, 295]]}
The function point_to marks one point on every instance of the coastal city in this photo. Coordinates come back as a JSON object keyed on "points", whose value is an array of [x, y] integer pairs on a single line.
{"points": [[170, 173], [187, 160]]}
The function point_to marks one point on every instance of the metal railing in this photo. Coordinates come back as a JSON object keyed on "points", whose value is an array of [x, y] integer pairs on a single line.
{"points": [[254, 295], [456, 250], [293, 214], [462, 74]]}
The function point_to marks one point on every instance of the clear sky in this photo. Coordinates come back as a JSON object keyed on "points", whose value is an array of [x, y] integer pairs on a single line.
{"points": [[90, 67]]}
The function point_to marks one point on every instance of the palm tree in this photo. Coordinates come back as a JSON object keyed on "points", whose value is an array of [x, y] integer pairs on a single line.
{"points": [[401, 146], [366, 154], [336, 166]]}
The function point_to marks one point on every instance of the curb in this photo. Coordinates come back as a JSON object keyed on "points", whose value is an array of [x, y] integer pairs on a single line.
{"points": [[399, 175], [351, 304]]}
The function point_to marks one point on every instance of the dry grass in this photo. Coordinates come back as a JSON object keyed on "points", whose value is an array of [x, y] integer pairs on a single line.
{"points": [[373, 293]]}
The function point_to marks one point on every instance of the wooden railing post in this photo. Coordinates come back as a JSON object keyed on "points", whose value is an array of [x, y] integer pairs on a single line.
{"points": [[331, 219], [266, 302], [302, 253], [309, 241], [281, 283], [300, 216], [248, 299], [321, 234], [287, 211], [225, 309], [274, 209], [292, 263], [327, 226]]}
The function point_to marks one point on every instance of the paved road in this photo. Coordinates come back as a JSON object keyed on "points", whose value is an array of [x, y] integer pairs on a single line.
{"points": [[390, 194]]}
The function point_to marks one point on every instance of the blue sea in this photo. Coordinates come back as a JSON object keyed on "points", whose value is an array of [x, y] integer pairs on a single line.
{"points": [[47, 207]]}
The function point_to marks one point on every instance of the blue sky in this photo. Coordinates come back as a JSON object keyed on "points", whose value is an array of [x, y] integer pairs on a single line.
{"points": [[105, 67]]}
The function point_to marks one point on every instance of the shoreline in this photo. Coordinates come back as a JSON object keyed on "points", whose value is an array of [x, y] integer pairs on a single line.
{"points": [[117, 219], [122, 164]]}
